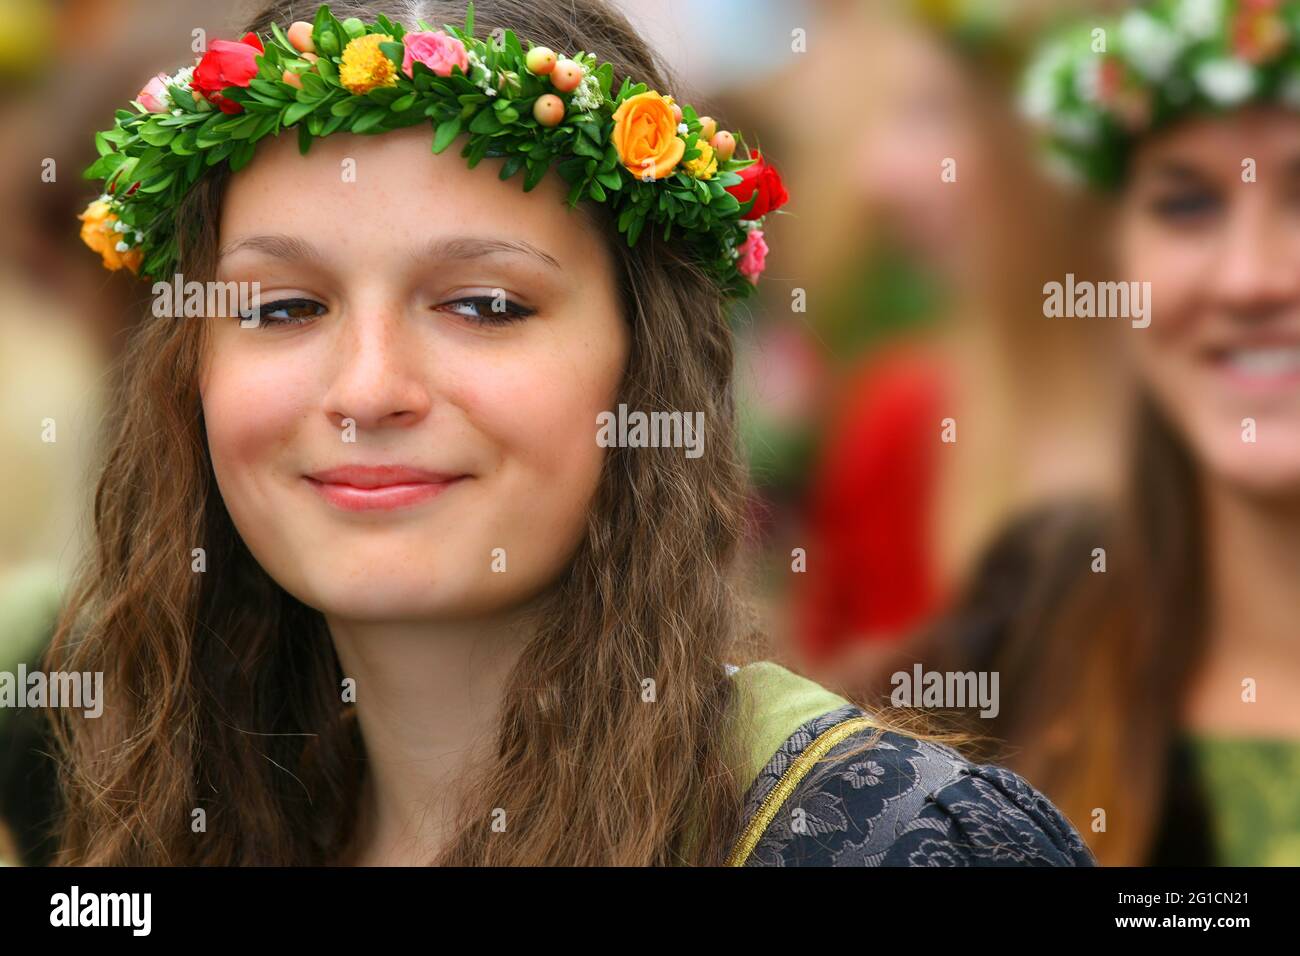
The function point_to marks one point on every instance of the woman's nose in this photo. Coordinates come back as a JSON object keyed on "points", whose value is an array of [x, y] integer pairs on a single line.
{"points": [[1254, 274], [380, 379]]}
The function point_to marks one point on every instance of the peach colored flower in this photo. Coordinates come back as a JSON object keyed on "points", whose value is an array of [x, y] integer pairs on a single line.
{"points": [[98, 233], [154, 95]]}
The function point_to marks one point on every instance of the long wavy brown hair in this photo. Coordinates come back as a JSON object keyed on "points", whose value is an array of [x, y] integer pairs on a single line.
{"points": [[1094, 666], [222, 690]]}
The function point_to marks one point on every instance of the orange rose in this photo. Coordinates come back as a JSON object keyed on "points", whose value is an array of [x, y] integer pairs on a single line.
{"points": [[645, 135], [98, 233]]}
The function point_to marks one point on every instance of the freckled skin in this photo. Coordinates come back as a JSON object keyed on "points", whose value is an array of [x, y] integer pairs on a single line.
{"points": [[512, 406]]}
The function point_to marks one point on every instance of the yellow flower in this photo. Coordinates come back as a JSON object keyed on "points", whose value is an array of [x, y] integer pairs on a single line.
{"points": [[98, 233], [645, 135], [365, 67], [704, 165]]}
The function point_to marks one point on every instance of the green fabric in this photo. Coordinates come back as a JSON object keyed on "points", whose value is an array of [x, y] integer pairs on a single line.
{"points": [[773, 704], [1252, 785]]}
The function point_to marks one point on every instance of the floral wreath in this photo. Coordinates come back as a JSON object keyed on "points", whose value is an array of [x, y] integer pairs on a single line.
{"points": [[1098, 86], [655, 163]]}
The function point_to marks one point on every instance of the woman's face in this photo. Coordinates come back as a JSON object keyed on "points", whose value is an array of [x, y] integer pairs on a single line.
{"points": [[422, 390], [1223, 258], [924, 120]]}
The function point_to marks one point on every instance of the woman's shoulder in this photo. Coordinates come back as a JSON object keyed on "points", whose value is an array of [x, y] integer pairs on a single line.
{"points": [[840, 791]]}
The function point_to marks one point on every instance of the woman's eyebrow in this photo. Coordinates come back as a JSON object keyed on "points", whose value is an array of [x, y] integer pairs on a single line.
{"points": [[276, 246], [474, 247], [447, 247], [1178, 171]]}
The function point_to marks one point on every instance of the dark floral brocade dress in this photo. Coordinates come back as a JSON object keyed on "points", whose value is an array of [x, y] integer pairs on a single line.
{"points": [[838, 791]]}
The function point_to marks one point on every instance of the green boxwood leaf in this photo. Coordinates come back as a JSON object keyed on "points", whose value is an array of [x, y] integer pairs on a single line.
{"points": [[535, 173], [511, 166], [275, 91], [368, 120], [327, 70], [485, 121], [445, 133], [296, 111]]}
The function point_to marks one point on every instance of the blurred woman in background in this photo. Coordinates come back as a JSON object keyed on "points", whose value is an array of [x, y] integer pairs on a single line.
{"points": [[900, 503], [1148, 654]]}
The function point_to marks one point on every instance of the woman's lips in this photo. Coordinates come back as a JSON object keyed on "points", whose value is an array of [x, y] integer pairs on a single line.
{"points": [[1262, 368], [379, 488]]}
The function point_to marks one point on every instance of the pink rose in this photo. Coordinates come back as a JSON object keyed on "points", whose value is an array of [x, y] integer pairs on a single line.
{"points": [[438, 51], [753, 256], [154, 95]]}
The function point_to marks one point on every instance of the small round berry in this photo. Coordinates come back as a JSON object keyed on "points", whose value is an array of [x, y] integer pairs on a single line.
{"points": [[708, 126], [300, 37], [292, 79], [548, 109], [724, 145], [677, 113], [566, 76], [540, 60]]}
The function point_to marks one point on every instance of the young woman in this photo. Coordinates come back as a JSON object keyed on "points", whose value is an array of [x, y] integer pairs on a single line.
{"points": [[896, 516], [370, 586], [1148, 653]]}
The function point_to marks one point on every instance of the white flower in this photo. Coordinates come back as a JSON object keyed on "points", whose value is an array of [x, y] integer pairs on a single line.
{"points": [[1199, 19], [1226, 82], [1150, 46], [1077, 128], [122, 247], [1087, 82], [1038, 99], [588, 96]]}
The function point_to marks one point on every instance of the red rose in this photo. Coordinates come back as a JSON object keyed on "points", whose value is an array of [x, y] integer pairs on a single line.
{"points": [[764, 180], [227, 64]]}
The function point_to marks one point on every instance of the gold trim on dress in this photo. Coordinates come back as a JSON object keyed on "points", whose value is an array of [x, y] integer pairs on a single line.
{"points": [[785, 786]]}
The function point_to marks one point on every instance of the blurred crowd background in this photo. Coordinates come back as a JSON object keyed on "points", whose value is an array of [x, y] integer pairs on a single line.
{"points": [[893, 300]]}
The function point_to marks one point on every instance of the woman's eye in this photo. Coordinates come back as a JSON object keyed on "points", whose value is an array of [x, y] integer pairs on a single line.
{"points": [[288, 311], [1185, 207], [488, 309]]}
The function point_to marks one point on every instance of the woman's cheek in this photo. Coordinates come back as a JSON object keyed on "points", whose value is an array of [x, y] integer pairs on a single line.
{"points": [[252, 407]]}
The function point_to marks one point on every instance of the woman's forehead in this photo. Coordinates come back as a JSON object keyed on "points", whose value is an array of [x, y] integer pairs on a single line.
{"points": [[388, 192], [1228, 138]]}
